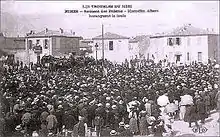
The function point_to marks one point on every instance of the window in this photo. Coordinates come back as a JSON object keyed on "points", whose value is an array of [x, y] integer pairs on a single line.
{"points": [[170, 41], [199, 56], [187, 56], [46, 44], [110, 45], [178, 58], [30, 44], [188, 41], [38, 42], [199, 41], [178, 41]]}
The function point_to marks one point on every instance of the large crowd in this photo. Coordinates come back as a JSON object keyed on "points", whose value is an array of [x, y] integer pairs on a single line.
{"points": [[83, 97]]}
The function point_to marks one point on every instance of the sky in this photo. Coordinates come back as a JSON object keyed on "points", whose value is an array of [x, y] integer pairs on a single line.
{"points": [[201, 14]]}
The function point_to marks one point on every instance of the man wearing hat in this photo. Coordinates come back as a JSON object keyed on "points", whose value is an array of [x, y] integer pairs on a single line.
{"points": [[126, 132], [201, 109], [51, 122], [91, 113], [98, 123], [105, 132], [26, 121], [100, 110], [59, 115], [18, 132], [121, 127]]}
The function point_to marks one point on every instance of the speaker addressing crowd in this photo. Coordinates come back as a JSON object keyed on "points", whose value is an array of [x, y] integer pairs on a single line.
{"points": [[82, 97]]}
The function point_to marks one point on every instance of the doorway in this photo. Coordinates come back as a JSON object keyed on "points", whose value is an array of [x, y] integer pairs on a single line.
{"points": [[178, 58]]}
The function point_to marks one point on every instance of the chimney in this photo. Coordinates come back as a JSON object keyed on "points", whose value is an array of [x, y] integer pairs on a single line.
{"points": [[72, 33], [46, 30], [213, 30], [61, 30]]}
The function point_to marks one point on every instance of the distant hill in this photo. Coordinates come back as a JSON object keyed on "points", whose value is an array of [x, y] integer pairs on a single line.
{"points": [[13, 25]]}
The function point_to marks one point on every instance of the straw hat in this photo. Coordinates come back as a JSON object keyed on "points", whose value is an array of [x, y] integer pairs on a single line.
{"points": [[60, 107], [113, 133], [121, 124], [107, 104], [126, 126], [108, 98], [18, 128], [99, 105], [114, 106], [121, 102]]}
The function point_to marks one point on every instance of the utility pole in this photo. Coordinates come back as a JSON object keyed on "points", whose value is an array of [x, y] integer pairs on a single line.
{"points": [[103, 57], [96, 48]]}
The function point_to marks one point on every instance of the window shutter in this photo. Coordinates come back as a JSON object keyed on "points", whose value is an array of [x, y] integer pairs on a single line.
{"points": [[111, 45], [173, 41], [44, 42]]}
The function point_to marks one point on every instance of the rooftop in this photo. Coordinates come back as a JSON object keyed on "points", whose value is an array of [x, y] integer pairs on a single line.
{"points": [[109, 35], [50, 33], [186, 30], [133, 41]]}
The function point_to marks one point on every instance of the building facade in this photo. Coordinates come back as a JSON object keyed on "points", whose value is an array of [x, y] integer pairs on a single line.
{"points": [[86, 46], [116, 47], [184, 45], [14, 46], [133, 49], [50, 42]]}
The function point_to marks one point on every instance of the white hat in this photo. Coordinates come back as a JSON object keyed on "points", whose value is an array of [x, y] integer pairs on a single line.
{"points": [[107, 104], [18, 127], [80, 118], [126, 126], [35, 134], [108, 98], [99, 105], [60, 106], [121, 102], [215, 86], [121, 124], [114, 106], [113, 132], [151, 119]]}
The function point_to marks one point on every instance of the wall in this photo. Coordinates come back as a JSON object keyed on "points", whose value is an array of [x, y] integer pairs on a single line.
{"points": [[160, 48], [12, 43], [32, 55], [134, 50], [69, 44], [213, 47], [119, 53], [196, 46], [65, 45]]}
